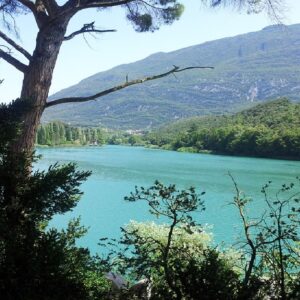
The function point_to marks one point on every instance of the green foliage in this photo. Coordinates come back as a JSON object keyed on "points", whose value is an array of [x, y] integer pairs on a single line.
{"points": [[38, 262], [269, 130], [178, 261], [272, 241], [194, 266], [58, 133], [176, 258], [147, 18], [135, 140], [208, 276], [281, 258], [169, 202]]}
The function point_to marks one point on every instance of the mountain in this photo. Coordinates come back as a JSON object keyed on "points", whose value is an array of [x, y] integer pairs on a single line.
{"points": [[248, 68]]}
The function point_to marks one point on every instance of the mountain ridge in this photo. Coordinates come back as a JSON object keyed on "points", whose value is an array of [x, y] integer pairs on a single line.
{"points": [[252, 67]]}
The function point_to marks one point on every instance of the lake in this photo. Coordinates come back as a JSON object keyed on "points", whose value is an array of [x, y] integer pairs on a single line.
{"points": [[118, 169]]}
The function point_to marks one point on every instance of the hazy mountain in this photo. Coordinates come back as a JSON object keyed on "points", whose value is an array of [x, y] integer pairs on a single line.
{"points": [[252, 67]]}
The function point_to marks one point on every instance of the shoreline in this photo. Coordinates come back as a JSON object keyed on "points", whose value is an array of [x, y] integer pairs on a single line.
{"points": [[155, 147]]}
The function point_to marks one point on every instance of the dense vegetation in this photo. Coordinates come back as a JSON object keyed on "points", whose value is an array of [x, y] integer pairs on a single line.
{"points": [[58, 133], [174, 260], [37, 261], [271, 129], [268, 130], [180, 262], [257, 66]]}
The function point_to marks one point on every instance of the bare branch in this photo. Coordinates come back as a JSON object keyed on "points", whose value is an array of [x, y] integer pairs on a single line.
{"points": [[176, 69], [13, 61], [87, 28], [275, 9], [154, 6], [78, 5], [29, 4], [249, 241], [15, 45], [6, 47]]}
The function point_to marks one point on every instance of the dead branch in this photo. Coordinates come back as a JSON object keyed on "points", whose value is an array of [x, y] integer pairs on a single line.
{"points": [[7, 48], [87, 28], [176, 69], [83, 4], [29, 4], [15, 45]]}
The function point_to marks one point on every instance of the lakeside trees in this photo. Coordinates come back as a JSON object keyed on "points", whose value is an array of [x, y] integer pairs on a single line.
{"points": [[58, 133], [242, 140], [269, 130]]}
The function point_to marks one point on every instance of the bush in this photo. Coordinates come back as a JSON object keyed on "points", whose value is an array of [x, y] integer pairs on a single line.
{"points": [[176, 258]]}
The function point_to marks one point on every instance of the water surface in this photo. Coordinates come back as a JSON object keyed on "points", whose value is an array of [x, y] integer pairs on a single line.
{"points": [[117, 169]]}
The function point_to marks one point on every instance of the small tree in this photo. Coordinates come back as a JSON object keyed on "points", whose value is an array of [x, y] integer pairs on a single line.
{"points": [[176, 258], [272, 238], [174, 205]]}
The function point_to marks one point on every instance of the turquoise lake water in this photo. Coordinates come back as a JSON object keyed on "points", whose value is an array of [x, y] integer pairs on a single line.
{"points": [[117, 169]]}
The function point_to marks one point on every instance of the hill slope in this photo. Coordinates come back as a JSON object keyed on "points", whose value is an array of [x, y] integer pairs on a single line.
{"points": [[271, 129], [276, 114], [252, 67]]}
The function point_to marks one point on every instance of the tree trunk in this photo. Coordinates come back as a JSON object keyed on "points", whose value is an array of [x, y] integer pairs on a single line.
{"points": [[250, 266], [37, 80]]}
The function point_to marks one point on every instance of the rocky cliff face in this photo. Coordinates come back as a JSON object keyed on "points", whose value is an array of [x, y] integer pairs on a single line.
{"points": [[253, 67]]}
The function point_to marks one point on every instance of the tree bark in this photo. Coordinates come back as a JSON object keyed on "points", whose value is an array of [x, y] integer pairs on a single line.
{"points": [[37, 80]]}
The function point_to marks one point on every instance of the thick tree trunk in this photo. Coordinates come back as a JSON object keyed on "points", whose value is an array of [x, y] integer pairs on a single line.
{"points": [[37, 80]]}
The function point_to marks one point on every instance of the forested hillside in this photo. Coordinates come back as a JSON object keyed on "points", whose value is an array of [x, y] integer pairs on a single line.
{"points": [[248, 68], [269, 130]]}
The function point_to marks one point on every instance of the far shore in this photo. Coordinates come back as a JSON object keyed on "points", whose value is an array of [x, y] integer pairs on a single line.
{"points": [[185, 150]]}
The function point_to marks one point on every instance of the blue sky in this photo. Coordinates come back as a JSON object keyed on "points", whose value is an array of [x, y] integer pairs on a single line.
{"points": [[79, 59]]}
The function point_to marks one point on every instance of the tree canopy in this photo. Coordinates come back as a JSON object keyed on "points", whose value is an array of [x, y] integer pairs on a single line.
{"points": [[270, 130]]}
